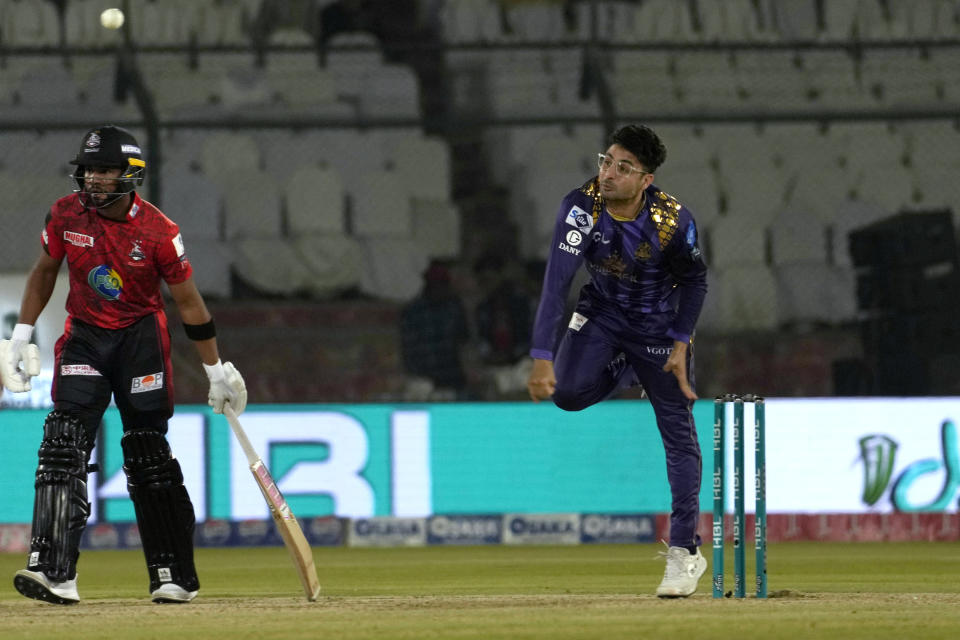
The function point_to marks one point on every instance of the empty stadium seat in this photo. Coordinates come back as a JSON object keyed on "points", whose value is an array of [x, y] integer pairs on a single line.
{"points": [[382, 207], [705, 81], [30, 24], [436, 228], [814, 293], [263, 257], [286, 151], [643, 81], [196, 205], [348, 57], [745, 298], [390, 91], [334, 263], [735, 242], [392, 267], [315, 201], [251, 200], [193, 201], [798, 236], [223, 154], [424, 164]]}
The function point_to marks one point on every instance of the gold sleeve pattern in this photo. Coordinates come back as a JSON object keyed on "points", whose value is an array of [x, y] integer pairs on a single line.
{"points": [[665, 213], [592, 188]]}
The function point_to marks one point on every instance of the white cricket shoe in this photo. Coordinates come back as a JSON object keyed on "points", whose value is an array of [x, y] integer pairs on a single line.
{"points": [[682, 573], [170, 592], [36, 585]]}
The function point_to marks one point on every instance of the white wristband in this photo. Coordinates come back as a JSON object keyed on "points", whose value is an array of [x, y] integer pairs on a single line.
{"points": [[214, 371], [22, 332]]}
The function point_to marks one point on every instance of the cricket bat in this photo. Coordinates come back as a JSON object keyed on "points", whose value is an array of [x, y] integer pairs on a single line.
{"points": [[286, 522]]}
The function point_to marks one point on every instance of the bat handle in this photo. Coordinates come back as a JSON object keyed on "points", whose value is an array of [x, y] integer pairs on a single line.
{"points": [[240, 434]]}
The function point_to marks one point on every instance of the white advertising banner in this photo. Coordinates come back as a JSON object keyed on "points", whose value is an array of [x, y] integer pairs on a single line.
{"points": [[849, 455]]}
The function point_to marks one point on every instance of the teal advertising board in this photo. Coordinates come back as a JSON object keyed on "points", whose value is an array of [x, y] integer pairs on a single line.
{"points": [[405, 460]]}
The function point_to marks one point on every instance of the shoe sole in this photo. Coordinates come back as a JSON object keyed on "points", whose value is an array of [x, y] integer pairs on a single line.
{"points": [[166, 600], [30, 588]]}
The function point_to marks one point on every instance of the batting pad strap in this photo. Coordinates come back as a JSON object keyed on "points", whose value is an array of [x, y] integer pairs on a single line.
{"points": [[203, 331], [60, 508], [164, 512]]}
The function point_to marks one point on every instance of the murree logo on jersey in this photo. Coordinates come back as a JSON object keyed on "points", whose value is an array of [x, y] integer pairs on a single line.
{"points": [[78, 239], [580, 219], [146, 383], [106, 282]]}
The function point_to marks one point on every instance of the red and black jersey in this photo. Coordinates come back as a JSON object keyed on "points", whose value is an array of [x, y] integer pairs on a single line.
{"points": [[115, 265]]}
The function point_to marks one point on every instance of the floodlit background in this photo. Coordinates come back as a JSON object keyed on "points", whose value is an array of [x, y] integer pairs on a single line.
{"points": [[328, 160]]}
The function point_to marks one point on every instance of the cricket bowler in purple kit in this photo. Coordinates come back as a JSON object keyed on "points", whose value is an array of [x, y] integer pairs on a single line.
{"points": [[634, 320]]}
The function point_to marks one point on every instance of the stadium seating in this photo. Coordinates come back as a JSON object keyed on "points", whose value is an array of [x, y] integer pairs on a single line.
{"points": [[769, 189]]}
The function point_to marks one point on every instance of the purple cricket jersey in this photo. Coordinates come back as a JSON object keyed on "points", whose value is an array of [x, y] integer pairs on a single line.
{"points": [[650, 268]]}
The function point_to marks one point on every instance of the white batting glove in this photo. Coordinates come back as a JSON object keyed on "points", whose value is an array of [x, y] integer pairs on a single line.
{"points": [[226, 386], [19, 351]]}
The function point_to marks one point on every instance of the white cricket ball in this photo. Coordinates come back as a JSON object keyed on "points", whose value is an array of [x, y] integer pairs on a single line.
{"points": [[111, 18]]}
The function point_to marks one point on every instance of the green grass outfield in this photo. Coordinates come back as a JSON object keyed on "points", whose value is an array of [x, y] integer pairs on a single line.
{"points": [[819, 590]]}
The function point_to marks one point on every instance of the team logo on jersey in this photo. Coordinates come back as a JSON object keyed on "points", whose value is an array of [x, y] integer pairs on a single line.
{"points": [[643, 252], [614, 265], [78, 239], [106, 282], [136, 254], [580, 219], [146, 383]]}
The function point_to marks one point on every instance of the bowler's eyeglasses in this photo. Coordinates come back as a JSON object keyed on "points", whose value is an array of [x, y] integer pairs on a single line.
{"points": [[624, 168]]}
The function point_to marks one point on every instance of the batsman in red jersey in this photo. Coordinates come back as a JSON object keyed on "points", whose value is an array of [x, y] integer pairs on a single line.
{"points": [[116, 343]]}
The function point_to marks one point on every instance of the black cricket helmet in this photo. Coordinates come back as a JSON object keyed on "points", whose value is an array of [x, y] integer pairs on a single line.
{"points": [[114, 147]]}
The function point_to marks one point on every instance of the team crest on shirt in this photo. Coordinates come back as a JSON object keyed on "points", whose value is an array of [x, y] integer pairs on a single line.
{"points": [[136, 254], [614, 265], [644, 251], [106, 282]]}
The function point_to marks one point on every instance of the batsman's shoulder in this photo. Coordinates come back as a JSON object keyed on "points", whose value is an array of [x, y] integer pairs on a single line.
{"points": [[67, 205]]}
